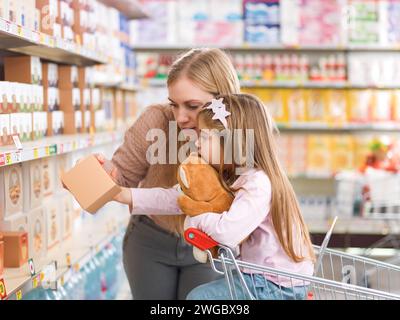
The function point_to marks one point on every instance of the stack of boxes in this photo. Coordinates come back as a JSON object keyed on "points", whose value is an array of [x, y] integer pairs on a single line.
{"points": [[23, 98], [55, 117]]}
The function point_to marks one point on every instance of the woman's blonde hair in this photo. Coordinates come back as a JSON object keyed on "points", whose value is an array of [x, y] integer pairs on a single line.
{"points": [[249, 113], [212, 71]]}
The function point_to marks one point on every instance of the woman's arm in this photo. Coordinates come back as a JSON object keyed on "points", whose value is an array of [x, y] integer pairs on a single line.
{"points": [[150, 200], [130, 158], [248, 210]]}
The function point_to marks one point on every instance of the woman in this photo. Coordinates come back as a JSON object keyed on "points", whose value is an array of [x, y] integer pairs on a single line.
{"points": [[158, 262]]}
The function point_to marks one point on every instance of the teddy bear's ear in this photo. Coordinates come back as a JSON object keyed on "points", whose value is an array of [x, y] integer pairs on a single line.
{"points": [[182, 175]]}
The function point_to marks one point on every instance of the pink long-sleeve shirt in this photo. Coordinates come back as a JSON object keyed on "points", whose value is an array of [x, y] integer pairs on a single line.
{"points": [[248, 218]]}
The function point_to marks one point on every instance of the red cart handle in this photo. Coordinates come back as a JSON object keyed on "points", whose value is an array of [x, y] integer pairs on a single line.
{"points": [[199, 239]]}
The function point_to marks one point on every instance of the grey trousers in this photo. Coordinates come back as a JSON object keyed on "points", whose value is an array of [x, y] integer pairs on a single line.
{"points": [[160, 265]]}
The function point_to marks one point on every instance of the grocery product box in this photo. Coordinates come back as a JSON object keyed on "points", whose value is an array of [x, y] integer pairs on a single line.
{"points": [[16, 249], [11, 191], [49, 175], [63, 164], [67, 215], [37, 232], [25, 69], [5, 130], [90, 184], [33, 184], [319, 155], [67, 77], [53, 222], [48, 10], [343, 149]]}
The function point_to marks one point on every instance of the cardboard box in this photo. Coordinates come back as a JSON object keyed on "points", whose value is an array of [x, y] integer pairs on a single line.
{"points": [[33, 184], [67, 77], [1, 256], [16, 249], [53, 221], [17, 222], [37, 233], [11, 193], [25, 69], [90, 184]]}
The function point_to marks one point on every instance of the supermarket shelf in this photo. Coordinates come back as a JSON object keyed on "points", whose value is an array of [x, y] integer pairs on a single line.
{"points": [[354, 127], [55, 145], [272, 47], [22, 40], [284, 84], [311, 85], [132, 9], [81, 247]]}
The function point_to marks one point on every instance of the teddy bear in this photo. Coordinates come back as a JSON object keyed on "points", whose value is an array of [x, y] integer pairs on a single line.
{"points": [[202, 192]]}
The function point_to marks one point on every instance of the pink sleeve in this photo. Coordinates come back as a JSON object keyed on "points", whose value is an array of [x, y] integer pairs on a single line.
{"points": [[248, 210], [157, 201]]}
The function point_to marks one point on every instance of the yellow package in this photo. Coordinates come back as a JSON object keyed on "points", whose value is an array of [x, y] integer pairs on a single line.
{"points": [[317, 107], [360, 105], [342, 152], [338, 113], [275, 101], [319, 155], [296, 105]]}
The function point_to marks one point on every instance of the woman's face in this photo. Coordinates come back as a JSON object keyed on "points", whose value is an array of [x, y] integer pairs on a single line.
{"points": [[187, 99]]}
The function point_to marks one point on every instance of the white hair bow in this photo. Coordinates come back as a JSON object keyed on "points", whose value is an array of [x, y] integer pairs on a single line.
{"points": [[219, 109]]}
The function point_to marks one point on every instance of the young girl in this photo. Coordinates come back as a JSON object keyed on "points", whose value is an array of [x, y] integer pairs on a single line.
{"points": [[264, 217]]}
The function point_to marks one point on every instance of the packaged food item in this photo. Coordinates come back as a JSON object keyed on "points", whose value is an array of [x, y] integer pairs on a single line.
{"points": [[11, 191], [16, 250], [319, 160]]}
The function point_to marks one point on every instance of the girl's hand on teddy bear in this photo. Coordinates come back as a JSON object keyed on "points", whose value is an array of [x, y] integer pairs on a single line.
{"points": [[192, 207]]}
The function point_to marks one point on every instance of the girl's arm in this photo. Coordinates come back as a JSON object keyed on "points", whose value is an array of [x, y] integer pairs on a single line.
{"points": [[145, 201], [248, 210]]}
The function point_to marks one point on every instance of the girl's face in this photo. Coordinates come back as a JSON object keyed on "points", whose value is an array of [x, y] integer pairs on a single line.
{"points": [[209, 145], [187, 99]]}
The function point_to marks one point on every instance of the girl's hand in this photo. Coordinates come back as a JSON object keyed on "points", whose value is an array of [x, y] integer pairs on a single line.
{"points": [[107, 165], [125, 197]]}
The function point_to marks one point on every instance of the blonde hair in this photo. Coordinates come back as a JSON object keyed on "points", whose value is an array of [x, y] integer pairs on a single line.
{"points": [[212, 71], [248, 112]]}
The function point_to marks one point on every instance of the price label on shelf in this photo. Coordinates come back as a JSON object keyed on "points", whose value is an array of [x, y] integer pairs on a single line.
{"points": [[3, 292], [35, 153], [47, 151], [8, 158], [2, 159], [18, 295], [17, 156], [74, 145], [35, 282], [53, 149], [7, 27]]}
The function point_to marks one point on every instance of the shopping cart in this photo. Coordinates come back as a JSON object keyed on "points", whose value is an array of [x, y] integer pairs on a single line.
{"points": [[328, 282]]}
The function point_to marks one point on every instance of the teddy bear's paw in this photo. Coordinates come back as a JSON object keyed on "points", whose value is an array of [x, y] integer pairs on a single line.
{"points": [[200, 256]]}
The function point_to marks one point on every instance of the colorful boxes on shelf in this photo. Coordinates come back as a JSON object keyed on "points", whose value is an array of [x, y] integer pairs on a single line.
{"points": [[53, 223], [37, 232]]}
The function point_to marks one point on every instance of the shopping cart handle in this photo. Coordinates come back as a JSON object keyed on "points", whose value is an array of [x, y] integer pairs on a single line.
{"points": [[199, 239]]}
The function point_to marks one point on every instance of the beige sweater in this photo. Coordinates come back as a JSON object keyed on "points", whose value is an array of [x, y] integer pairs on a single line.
{"points": [[134, 169]]}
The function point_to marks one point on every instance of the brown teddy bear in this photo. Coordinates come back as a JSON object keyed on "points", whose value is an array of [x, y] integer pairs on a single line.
{"points": [[201, 192]]}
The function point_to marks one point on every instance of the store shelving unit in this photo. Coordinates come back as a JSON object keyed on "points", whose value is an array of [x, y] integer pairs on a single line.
{"points": [[86, 242], [266, 48], [131, 8], [56, 145], [19, 39]]}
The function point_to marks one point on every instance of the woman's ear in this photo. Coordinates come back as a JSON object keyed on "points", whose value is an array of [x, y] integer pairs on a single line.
{"points": [[183, 177]]}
